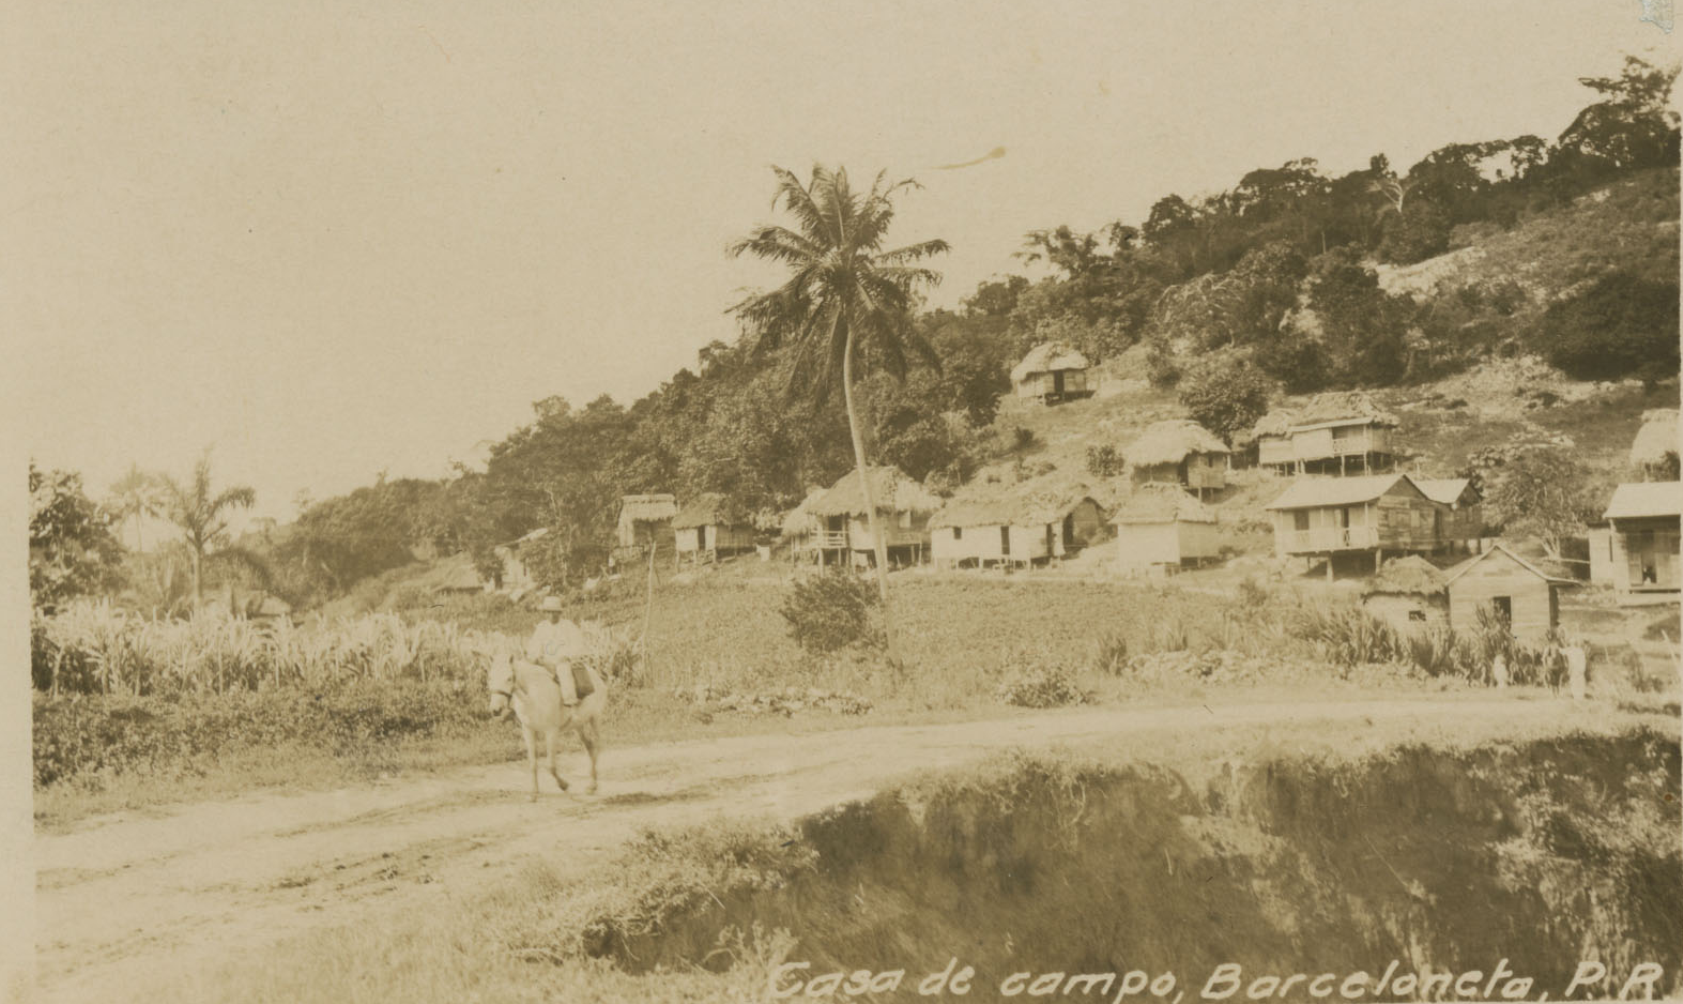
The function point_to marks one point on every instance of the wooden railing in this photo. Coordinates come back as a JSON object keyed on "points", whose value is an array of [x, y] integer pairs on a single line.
{"points": [[830, 539], [1334, 538]]}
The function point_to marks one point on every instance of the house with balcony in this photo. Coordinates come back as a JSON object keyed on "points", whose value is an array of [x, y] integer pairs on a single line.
{"points": [[1338, 434], [1641, 542], [1050, 373], [1181, 453], [842, 528], [1353, 520]]}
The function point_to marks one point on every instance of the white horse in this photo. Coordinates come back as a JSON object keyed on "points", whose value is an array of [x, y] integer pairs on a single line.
{"points": [[534, 696]]}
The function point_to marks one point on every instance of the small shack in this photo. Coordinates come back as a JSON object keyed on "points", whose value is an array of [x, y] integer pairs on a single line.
{"points": [[1409, 593], [459, 576], [709, 528], [1653, 453], [1161, 528], [1023, 524], [903, 510], [515, 577], [645, 520], [1179, 452], [1460, 517], [1333, 516], [1051, 372], [1642, 540], [1516, 591]]}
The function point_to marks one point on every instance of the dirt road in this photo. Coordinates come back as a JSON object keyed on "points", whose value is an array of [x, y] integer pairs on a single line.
{"points": [[123, 902]]}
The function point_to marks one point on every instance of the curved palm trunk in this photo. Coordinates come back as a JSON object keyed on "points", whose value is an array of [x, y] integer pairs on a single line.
{"points": [[865, 488]]}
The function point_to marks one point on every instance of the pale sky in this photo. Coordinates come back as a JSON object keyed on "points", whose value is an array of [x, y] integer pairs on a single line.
{"points": [[332, 239]]}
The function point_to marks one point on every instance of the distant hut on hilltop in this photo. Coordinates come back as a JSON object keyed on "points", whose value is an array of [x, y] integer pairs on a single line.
{"points": [[1021, 524], [1333, 433], [709, 528], [903, 510], [1162, 528], [1654, 451], [1179, 452], [1409, 593], [1051, 372]]}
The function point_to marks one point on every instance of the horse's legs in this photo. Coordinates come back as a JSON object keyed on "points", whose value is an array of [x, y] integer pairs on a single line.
{"points": [[549, 745], [532, 759], [592, 742]]}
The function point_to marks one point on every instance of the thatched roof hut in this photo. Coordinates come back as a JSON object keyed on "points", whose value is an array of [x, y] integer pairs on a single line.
{"points": [[1320, 409], [1171, 442], [708, 509], [891, 490], [647, 508], [1035, 502], [1408, 575], [1162, 504], [800, 521], [1048, 357], [1656, 440]]}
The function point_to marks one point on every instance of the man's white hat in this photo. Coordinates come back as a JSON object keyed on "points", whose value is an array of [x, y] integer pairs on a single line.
{"points": [[550, 603]]}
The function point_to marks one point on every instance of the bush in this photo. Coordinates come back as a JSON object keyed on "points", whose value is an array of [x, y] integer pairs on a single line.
{"points": [[1225, 397], [79, 736], [1041, 687], [1620, 326], [829, 611], [1105, 461]]}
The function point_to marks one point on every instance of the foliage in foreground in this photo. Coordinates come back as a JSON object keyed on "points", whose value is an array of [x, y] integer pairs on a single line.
{"points": [[830, 611], [79, 738]]}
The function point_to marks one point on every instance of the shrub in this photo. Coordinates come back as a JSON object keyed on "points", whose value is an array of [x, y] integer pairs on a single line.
{"points": [[829, 611], [1041, 687], [1620, 326], [1252, 594], [1110, 653], [1105, 461], [1225, 397], [1350, 636]]}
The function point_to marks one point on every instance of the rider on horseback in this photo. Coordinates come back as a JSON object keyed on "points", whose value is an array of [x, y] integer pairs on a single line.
{"points": [[558, 643]]}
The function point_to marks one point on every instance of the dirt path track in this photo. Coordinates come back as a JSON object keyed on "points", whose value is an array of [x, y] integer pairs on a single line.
{"points": [[125, 900]]}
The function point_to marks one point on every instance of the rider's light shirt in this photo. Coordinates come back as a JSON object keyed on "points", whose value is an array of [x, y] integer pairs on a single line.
{"points": [[552, 644]]}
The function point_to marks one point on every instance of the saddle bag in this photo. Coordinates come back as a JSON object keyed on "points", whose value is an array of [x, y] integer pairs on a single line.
{"points": [[581, 681]]}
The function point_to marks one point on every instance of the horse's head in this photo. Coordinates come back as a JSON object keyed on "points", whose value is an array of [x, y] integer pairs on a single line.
{"points": [[501, 681]]}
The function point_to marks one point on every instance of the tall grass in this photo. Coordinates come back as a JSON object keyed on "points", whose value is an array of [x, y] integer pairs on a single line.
{"points": [[101, 649]]}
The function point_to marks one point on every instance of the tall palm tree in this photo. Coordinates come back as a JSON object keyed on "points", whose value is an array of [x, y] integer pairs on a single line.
{"points": [[199, 514], [845, 297], [137, 496]]}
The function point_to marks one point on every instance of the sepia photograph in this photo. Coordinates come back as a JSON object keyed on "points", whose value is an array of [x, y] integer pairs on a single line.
{"points": [[876, 500]]}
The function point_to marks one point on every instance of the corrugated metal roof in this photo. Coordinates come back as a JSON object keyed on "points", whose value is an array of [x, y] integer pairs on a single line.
{"points": [[1461, 569], [1651, 498], [1310, 493], [1445, 490]]}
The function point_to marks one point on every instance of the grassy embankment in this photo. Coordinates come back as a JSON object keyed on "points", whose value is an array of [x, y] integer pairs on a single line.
{"points": [[1302, 848], [970, 646]]}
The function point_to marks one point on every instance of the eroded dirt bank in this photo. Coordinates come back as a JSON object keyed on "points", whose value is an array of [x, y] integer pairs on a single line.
{"points": [[1541, 852]]}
